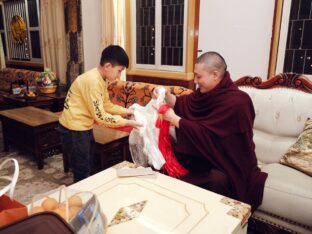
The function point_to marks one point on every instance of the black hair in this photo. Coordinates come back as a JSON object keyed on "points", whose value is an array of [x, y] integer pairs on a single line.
{"points": [[213, 60], [115, 55]]}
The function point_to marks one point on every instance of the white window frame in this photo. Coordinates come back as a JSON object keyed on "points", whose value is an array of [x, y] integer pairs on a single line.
{"points": [[4, 30], [29, 29], [34, 29], [158, 36]]}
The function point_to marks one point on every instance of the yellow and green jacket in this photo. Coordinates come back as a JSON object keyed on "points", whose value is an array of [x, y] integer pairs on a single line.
{"points": [[88, 102]]}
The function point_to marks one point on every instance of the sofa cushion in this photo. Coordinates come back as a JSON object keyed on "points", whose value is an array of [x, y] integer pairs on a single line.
{"points": [[269, 147], [287, 193], [299, 155]]}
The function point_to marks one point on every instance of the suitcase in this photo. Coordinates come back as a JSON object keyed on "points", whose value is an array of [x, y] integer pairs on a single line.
{"points": [[44, 222]]}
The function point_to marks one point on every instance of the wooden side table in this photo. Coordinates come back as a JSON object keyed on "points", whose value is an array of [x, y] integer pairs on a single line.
{"points": [[53, 102], [58, 100], [111, 147], [31, 129], [40, 101]]}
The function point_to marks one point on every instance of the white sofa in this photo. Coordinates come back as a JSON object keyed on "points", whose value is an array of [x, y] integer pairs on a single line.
{"points": [[282, 105]]}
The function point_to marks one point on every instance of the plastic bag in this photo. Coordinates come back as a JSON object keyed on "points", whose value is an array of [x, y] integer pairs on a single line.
{"points": [[80, 209], [10, 209], [143, 142]]}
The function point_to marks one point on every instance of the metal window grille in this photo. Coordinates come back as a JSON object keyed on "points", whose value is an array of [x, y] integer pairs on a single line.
{"points": [[160, 34], [22, 51], [298, 54]]}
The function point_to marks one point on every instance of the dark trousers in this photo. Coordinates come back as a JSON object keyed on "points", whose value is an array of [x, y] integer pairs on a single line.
{"points": [[203, 175], [78, 146]]}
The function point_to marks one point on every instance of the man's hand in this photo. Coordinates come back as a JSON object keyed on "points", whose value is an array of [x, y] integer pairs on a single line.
{"points": [[172, 117], [130, 111], [170, 99], [155, 93]]}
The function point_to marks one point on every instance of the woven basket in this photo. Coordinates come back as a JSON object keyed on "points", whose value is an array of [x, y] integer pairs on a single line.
{"points": [[47, 89]]}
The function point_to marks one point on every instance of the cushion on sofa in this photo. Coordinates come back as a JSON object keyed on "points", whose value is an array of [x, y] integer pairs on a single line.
{"points": [[288, 193], [299, 155]]}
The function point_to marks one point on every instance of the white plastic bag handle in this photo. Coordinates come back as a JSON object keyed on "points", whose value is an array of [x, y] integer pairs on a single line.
{"points": [[10, 187]]}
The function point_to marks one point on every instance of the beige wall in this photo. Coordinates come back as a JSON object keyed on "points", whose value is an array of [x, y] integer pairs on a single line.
{"points": [[240, 30], [91, 27]]}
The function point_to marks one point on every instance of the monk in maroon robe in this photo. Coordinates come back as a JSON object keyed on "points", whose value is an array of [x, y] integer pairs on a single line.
{"points": [[214, 127]]}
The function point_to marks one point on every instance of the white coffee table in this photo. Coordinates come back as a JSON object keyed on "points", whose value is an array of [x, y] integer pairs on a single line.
{"points": [[171, 205]]}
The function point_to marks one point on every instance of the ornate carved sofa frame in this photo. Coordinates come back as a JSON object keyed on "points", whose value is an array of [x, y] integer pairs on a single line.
{"points": [[282, 105]]}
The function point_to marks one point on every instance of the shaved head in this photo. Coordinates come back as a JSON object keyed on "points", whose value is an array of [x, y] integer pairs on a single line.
{"points": [[213, 61]]}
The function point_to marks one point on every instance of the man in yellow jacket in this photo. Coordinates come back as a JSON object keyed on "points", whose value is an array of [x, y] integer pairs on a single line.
{"points": [[88, 102]]}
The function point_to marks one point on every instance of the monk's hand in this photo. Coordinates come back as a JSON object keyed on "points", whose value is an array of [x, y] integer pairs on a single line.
{"points": [[171, 116], [155, 93]]}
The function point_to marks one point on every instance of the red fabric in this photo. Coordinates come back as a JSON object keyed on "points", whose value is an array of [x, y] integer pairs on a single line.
{"points": [[172, 166], [124, 129]]}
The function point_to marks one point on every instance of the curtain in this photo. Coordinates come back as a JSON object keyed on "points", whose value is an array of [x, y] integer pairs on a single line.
{"points": [[119, 10], [2, 59], [113, 25], [120, 27], [53, 37], [74, 39], [108, 23]]}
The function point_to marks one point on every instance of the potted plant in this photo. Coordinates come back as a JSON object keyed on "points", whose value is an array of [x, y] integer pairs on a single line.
{"points": [[47, 82]]}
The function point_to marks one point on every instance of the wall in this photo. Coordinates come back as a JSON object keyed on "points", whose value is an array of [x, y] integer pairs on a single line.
{"points": [[91, 27], [241, 31]]}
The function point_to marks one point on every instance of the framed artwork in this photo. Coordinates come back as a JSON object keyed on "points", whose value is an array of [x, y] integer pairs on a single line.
{"points": [[291, 49]]}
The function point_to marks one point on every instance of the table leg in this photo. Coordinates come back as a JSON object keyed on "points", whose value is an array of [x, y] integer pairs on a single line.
{"points": [[65, 162], [37, 152], [126, 152], [39, 158], [6, 147]]}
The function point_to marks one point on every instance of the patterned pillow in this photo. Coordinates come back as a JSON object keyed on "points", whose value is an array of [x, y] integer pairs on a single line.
{"points": [[299, 155]]}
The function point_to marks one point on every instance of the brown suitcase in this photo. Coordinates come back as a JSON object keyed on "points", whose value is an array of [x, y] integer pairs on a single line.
{"points": [[40, 223]]}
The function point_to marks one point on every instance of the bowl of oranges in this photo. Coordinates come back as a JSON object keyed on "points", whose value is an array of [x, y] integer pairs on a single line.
{"points": [[30, 95]]}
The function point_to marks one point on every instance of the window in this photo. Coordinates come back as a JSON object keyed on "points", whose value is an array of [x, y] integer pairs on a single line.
{"points": [[292, 37], [298, 54], [20, 30], [2, 30], [159, 37]]}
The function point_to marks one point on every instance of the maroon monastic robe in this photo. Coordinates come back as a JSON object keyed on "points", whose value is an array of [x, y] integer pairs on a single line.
{"points": [[217, 127]]}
